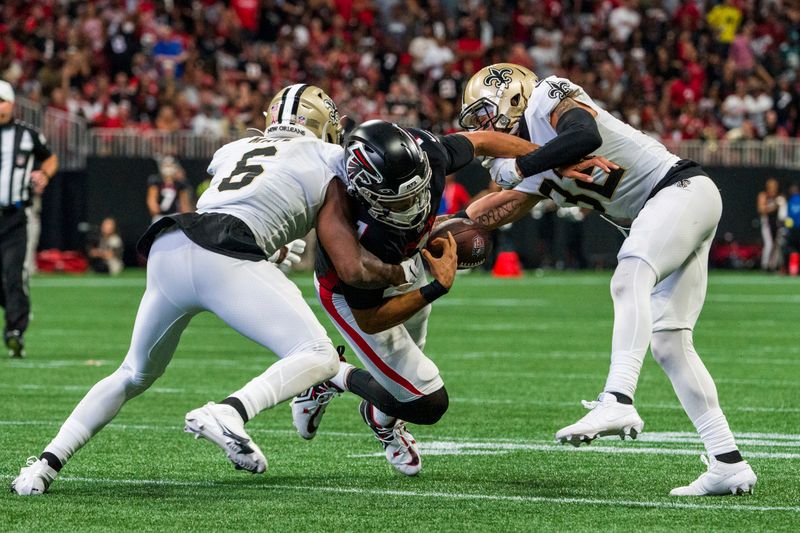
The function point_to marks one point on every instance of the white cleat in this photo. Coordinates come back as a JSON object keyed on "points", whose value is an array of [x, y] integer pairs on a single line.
{"points": [[606, 417], [309, 406], [400, 446], [33, 479], [720, 479], [223, 426]]}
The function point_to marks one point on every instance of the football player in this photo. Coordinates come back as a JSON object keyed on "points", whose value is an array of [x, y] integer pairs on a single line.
{"points": [[266, 192], [396, 177], [659, 285]]}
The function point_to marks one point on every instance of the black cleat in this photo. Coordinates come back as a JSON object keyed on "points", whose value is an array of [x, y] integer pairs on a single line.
{"points": [[15, 344]]}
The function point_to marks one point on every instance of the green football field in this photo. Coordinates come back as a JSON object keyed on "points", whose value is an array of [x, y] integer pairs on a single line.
{"points": [[517, 357]]}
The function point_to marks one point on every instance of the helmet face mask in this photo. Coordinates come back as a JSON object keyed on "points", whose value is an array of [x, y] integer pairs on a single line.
{"points": [[390, 174], [307, 106], [495, 98]]}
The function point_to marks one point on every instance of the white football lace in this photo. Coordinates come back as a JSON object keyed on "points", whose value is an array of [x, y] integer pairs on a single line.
{"points": [[590, 405], [31, 460], [704, 458]]}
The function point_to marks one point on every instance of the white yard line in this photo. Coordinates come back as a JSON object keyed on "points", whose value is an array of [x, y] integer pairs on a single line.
{"points": [[724, 506], [438, 445]]}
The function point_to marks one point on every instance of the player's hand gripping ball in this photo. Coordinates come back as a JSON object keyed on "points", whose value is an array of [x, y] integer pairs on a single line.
{"points": [[473, 241]]}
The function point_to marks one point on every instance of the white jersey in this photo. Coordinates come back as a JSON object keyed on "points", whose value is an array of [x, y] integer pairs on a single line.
{"points": [[643, 161], [274, 185]]}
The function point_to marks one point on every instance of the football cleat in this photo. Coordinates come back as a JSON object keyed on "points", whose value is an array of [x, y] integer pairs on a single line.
{"points": [[34, 479], [309, 406], [15, 344], [606, 417], [720, 479], [223, 426], [400, 447]]}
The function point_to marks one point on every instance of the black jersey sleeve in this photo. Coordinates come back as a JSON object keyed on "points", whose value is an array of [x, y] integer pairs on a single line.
{"points": [[460, 151], [40, 149], [362, 298], [451, 152]]}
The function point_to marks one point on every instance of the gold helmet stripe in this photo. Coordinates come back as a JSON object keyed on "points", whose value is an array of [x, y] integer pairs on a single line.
{"points": [[293, 95]]}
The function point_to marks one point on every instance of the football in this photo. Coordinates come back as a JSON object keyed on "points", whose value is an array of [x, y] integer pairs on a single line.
{"points": [[473, 241]]}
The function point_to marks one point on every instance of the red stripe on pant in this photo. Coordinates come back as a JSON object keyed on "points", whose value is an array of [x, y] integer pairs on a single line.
{"points": [[327, 302]]}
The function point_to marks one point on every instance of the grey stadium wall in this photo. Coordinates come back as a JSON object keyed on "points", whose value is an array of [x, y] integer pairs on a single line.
{"points": [[114, 186]]}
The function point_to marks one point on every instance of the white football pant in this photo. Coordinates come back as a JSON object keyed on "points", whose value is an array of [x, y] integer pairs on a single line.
{"points": [[658, 290], [394, 357], [254, 298]]}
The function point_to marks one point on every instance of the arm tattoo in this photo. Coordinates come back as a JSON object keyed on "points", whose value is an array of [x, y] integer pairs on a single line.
{"points": [[494, 216], [565, 105]]}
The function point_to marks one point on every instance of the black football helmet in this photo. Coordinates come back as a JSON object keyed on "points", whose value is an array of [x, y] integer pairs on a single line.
{"points": [[388, 171]]}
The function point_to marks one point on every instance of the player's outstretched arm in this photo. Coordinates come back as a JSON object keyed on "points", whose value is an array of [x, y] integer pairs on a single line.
{"points": [[397, 309], [354, 265], [496, 144], [500, 208]]}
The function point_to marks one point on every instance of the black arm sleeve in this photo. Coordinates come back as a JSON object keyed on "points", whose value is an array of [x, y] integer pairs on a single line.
{"points": [[40, 149], [578, 137], [460, 152], [362, 298]]}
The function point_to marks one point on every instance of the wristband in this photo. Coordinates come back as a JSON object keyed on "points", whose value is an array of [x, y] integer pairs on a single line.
{"points": [[432, 291]]}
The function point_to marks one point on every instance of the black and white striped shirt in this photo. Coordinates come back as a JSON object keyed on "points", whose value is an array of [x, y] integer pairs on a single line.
{"points": [[21, 147]]}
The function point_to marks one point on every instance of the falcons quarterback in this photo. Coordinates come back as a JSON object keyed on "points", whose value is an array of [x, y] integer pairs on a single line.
{"points": [[659, 285]]}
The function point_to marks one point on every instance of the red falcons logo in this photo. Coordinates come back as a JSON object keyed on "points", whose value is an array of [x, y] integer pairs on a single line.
{"points": [[359, 168]]}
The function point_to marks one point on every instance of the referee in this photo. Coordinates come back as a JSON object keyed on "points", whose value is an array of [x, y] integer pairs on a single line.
{"points": [[21, 147]]}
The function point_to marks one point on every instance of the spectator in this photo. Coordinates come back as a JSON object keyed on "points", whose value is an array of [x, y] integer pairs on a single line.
{"points": [[167, 192], [724, 20], [770, 204], [792, 223], [105, 256]]}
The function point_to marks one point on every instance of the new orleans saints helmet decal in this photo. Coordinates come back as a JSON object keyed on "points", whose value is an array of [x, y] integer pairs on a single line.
{"points": [[499, 77]]}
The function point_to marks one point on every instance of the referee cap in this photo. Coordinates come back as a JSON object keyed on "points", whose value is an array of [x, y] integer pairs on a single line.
{"points": [[6, 91]]}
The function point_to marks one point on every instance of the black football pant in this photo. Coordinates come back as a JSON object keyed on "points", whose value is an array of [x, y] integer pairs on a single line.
{"points": [[13, 279]]}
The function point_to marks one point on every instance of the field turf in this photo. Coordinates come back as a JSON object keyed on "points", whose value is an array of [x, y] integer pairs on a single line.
{"points": [[517, 357]]}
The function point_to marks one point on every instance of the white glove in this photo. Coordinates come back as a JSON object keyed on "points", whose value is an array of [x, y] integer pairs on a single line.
{"points": [[411, 271], [504, 173], [291, 253]]}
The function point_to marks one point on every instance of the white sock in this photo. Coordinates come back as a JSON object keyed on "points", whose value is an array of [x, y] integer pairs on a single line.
{"points": [[100, 405], [674, 351], [631, 288], [289, 377], [340, 379], [381, 418]]}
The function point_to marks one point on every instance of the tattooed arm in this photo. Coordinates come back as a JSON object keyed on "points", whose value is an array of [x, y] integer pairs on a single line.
{"points": [[499, 208]]}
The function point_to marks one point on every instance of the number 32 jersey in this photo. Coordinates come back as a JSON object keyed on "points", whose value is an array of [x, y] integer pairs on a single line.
{"points": [[274, 185], [643, 161]]}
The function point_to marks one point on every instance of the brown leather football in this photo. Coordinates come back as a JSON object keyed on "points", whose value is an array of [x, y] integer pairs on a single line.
{"points": [[473, 241]]}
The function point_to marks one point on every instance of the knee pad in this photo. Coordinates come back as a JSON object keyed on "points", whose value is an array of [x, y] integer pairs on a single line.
{"points": [[667, 344], [321, 357], [135, 382], [426, 410], [632, 274]]}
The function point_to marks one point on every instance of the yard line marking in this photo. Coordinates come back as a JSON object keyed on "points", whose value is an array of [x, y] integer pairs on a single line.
{"points": [[437, 494], [438, 445]]}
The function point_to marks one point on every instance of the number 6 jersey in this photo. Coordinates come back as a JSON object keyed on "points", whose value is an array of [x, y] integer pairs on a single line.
{"points": [[265, 192], [643, 161], [274, 185]]}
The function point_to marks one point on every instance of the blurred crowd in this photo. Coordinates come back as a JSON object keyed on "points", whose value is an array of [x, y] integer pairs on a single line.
{"points": [[681, 69]]}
